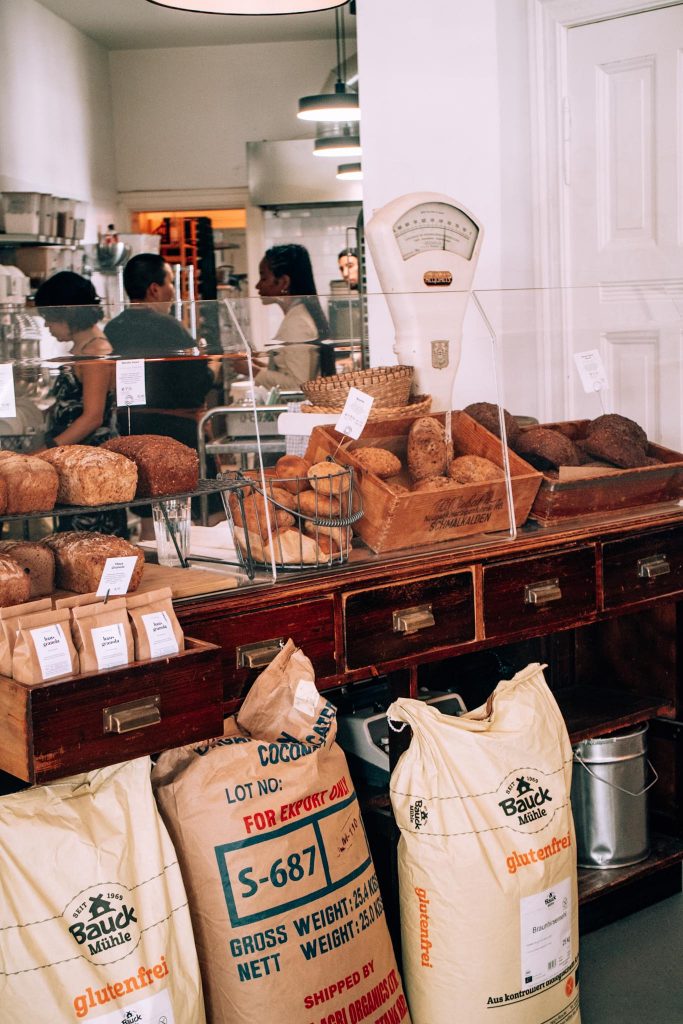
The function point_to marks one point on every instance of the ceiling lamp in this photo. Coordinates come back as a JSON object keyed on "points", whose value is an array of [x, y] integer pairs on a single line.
{"points": [[339, 105], [249, 6], [337, 145], [350, 172]]}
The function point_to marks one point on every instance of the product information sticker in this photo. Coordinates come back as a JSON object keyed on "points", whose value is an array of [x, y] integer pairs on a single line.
{"points": [[154, 1009], [8, 407], [546, 924], [110, 645], [160, 634], [52, 650]]}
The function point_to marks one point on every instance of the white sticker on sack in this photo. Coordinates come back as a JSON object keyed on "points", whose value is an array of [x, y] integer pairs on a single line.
{"points": [[155, 1009], [162, 639], [52, 650], [306, 697], [110, 645], [546, 924]]}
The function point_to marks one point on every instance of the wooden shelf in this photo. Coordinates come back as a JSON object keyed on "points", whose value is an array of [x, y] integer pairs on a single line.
{"points": [[665, 851], [593, 711]]}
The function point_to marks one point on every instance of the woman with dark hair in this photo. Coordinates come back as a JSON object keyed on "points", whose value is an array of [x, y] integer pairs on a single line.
{"points": [[286, 278]]}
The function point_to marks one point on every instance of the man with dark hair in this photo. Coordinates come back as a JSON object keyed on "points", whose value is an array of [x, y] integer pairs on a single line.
{"points": [[146, 331]]}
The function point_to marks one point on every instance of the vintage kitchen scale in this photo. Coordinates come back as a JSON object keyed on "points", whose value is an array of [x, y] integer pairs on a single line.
{"points": [[425, 247]]}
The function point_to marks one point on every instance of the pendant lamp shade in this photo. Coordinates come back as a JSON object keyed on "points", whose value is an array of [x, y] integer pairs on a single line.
{"points": [[337, 145], [350, 172], [249, 6], [337, 106]]}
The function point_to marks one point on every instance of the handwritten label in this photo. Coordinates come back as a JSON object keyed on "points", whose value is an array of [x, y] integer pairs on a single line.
{"points": [[110, 645], [306, 697], [8, 405], [355, 413], [130, 382], [52, 651], [591, 371], [116, 575], [160, 634]]}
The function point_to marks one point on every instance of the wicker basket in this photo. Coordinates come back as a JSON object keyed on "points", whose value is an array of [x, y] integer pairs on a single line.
{"points": [[417, 406], [388, 385]]}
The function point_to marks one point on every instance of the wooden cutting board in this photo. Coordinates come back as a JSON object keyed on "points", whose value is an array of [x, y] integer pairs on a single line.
{"points": [[186, 582]]}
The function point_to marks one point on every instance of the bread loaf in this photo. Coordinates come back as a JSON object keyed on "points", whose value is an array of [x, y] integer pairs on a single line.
{"points": [[37, 560], [164, 465], [30, 482], [91, 476], [427, 449], [3, 496], [15, 586], [80, 558]]}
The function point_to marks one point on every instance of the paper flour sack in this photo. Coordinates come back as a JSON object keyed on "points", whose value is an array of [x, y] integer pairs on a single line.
{"points": [[284, 898], [487, 860], [94, 923]]}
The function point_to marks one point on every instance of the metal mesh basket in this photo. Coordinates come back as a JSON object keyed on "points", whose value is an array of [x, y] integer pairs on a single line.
{"points": [[293, 523]]}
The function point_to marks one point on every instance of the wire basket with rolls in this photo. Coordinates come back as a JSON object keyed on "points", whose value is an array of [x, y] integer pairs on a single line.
{"points": [[389, 386], [301, 519]]}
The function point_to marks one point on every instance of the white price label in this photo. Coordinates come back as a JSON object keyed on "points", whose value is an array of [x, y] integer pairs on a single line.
{"points": [[110, 645], [160, 634], [546, 926], [130, 382], [355, 414], [116, 575], [52, 650], [8, 405], [153, 1009], [306, 697], [591, 371]]}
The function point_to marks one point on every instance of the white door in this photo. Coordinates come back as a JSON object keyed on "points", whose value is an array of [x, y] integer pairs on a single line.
{"points": [[624, 181]]}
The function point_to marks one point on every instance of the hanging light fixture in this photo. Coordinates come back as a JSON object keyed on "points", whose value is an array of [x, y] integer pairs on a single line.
{"points": [[339, 105], [249, 6], [350, 172], [340, 140]]}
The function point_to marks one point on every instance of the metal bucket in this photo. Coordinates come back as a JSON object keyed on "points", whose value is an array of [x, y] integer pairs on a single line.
{"points": [[609, 799]]}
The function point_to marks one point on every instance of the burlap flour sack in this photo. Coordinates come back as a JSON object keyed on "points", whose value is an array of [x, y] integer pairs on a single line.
{"points": [[94, 922], [487, 860], [285, 904]]}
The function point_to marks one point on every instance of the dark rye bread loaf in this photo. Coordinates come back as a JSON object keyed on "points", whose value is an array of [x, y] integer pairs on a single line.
{"points": [[90, 476], [31, 483], [37, 560], [80, 557], [15, 585], [165, 466]]}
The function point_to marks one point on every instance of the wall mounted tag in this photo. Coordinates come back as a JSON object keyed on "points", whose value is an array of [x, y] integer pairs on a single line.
{"points": [[355, 413], [130, 382], [116, 575], [52, 650], [591, 371], [110, 645], [160, 634], [8, 406]]}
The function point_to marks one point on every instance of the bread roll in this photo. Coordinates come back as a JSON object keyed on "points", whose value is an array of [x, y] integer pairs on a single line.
{"points": [[31, 483], [378, 461], [37, 560], [254, 515], [330, 539], [80, 558], [91, 476], [292, 472], [427, 449], [435, 483], [329, 478], [15, 585], [473, 469], [164, 465], [319, 505]]}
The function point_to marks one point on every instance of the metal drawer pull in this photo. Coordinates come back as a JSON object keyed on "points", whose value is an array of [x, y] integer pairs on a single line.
{"points": [[137, 714], [260, 654], [543, 592], [653, 565], [410, 620]]}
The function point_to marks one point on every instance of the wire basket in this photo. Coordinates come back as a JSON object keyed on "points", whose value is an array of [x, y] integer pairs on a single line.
{"points": [[388, 385], [418, 406], [293, 524]]}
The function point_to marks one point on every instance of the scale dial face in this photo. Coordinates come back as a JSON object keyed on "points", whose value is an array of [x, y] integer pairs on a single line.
{"points": [[435, 226]]}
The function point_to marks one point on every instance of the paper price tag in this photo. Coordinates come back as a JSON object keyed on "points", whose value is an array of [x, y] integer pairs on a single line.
{"points": [[110, 645], [160, 634], [306, 697], [52, 651], [591, 371], [355, 414], [116, 575], [8, 406], [130, 382]]}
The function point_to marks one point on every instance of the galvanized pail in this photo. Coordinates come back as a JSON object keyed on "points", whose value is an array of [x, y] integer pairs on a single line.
{"points": [[609, 801]]}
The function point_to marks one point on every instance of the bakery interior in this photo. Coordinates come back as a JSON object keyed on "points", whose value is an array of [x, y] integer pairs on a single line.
{"points": [[506, 492]]}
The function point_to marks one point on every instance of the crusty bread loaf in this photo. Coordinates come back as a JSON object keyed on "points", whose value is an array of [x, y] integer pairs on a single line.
{"points": [[3, 495], [91, 476], [31, 483], [80, 558], [165, 466], [427, 449], [37, 560], [15, 585]]}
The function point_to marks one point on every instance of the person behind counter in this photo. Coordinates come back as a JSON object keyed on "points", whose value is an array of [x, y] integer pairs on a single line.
{"points": [[348, 267], [286, 278], [174, 389]]}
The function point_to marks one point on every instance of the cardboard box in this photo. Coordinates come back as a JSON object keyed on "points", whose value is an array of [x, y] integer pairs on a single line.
{"points": [[395, 519]]}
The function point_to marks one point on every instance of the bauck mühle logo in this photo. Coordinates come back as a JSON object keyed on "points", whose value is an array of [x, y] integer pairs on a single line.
{"points": [[418, 814], [103, 923], [525, 800]]}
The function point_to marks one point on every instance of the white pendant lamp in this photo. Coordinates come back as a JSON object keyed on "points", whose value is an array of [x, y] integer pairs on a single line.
{"points": [[249, 6], [350, 172], [339, 105]]}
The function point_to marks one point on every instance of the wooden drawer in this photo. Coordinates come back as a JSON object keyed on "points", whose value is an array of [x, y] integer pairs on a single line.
{"points": [[533, 595], [57, 728], [254, 636], [374, 635], [642, 568]]}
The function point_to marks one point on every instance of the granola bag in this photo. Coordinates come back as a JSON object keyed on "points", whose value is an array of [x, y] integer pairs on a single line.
{"points": [[94, 922], [284, 898], [487, 860]]}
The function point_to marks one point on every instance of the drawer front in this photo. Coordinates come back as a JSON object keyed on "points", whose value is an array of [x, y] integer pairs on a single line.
{"points": [[642, 568], [388, 623], [250, 641], [159, 704], [537, 594]]}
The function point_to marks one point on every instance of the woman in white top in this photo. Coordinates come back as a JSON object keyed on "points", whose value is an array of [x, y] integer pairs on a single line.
{"points": [[286, 278]]}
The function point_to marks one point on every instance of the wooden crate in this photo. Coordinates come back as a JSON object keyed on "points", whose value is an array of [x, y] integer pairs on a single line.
{"points": [[56, 728], [580, 491], [394, 519]]}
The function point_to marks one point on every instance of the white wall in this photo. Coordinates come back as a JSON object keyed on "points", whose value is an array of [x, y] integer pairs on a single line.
{"points": [[55, 111], [183, 116]]}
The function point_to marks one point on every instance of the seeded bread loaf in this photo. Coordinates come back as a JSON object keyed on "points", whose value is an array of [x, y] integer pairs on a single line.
{"points": [[37, 560], [80, 558], [91, 476], [15, 585], [164, 465], [30, 482]]}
